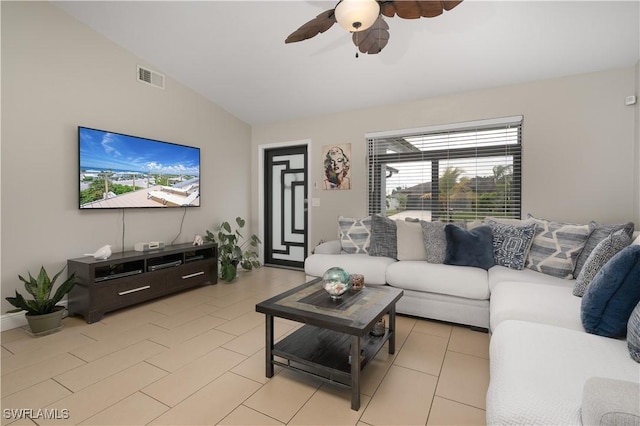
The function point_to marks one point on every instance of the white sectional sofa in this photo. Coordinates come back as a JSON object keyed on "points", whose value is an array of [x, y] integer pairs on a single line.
{"points": [[543, 363]]}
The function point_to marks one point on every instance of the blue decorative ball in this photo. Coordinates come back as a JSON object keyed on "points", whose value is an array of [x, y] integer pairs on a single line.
{"points": [[335, 281]]}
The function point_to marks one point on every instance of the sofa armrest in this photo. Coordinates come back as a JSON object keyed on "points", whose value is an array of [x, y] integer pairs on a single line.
{"points": [[610, 402], [328, 247]]}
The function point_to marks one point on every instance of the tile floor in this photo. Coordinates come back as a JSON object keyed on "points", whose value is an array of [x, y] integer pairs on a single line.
{"points": [[197, 358]]}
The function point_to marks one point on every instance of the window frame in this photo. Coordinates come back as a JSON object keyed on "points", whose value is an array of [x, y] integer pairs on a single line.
{"points": [[375, 161]]}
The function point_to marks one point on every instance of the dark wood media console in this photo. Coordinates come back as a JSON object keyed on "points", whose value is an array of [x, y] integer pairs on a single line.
{"points": [[131, 277]]}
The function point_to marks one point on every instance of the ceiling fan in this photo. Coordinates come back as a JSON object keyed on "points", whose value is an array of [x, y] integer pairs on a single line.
{"points": [[364, 18]]}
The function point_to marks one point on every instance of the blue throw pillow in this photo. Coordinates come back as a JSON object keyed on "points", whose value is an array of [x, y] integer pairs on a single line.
{"points": [[613, 293], [472, 247]]}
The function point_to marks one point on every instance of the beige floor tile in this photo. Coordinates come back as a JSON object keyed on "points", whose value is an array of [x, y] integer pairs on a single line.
{"points": [[422, 352], [36, 373], [467, 341], [97, 370], [5, 353], [36, 397], [13, 335], [242, 324], [125, 319], [410, 406], [179, 356], [254, 368], [374, 372], [210, 404], [330, 405], [254, 340], [215, 372], [237, 309], [189, 330], [447, 412], [29, 357], [175, 304], [175, 320], [102, 395], [434, 328], [136, 409], [243, 416], [115, 341], [177, 386], [283, 395], [464, 378], [44, 343]]}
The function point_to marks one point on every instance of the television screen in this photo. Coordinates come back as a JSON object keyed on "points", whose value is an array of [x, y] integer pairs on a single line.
{"points": [[120, 171]]}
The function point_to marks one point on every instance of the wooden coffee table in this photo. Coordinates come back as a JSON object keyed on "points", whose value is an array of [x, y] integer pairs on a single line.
{"points": [[335, 332]]}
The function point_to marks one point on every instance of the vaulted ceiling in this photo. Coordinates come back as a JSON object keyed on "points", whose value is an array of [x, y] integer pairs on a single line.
{"points": [[233, 52]]}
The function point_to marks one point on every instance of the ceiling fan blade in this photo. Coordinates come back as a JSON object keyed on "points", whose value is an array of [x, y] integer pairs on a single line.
{"points": [[374, 39], [413, 9], [317, 25]]}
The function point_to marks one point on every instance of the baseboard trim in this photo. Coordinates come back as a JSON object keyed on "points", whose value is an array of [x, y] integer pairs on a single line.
{"points": [[17, 319], [12, 320]]}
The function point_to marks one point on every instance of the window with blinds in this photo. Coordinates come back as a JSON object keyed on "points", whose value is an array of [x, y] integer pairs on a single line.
{"points": [[464, 171]]}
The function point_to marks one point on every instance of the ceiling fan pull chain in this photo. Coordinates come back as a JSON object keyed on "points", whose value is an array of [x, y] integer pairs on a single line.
{"points": [[356, 43]]}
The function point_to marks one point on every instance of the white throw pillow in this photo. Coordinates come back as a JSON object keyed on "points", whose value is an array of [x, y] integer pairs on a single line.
{"points": [[410, 243]]}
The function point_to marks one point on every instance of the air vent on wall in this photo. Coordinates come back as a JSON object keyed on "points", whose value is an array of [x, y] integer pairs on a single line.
{"points": [[150, 77]]}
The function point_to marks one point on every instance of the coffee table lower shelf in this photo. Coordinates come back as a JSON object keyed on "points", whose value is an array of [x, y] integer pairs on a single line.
{"points": [[325, 353]]}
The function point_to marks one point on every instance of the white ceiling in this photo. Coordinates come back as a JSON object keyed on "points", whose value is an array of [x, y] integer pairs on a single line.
{"points": [[233, 52]]}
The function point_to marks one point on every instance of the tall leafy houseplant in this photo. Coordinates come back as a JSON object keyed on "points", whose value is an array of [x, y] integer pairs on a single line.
{"points": [[234, 249], [43, 307]]}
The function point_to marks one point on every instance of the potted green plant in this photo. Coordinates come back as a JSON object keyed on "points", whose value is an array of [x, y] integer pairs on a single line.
{"points": [[234, 249], [42, 312]]}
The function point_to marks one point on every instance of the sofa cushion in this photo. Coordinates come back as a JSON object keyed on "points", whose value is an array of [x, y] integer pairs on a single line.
{"points": [[435, 242], [633, 334], [599, 256], [498, 274], [599, 233], [384, 240], [538, 372], [470, 283], [613, 294], [540, 303], [556, 247], [511, 243], [469, 247], [355, 234], [372, 268], [610, 402], [410, 241]]}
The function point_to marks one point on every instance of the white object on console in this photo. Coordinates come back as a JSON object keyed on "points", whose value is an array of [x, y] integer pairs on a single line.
{"points": [[102, 253]]}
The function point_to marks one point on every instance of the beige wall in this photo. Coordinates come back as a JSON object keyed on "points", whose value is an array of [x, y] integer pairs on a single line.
{"points": [[579, 142], [58, 74]]}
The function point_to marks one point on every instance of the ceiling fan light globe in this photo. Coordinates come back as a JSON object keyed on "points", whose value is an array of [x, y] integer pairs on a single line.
{"points": [[357, 15]]}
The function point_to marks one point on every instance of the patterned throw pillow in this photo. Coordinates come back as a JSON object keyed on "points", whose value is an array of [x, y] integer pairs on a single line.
{"points": [[599, 233], [600, 255], [633, 334], [355, 234], [435, 242], [556, 247], [511, 243], [384, 240]]}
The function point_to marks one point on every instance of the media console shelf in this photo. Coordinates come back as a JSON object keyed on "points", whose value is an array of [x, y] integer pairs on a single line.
{"points": [[132, 277]]}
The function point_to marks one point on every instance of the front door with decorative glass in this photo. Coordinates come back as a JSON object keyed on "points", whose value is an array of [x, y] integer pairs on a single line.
{"points": [[285, 216]]}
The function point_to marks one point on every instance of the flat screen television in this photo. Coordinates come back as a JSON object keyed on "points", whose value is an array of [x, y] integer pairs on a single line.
{"points": [[119, 171]]}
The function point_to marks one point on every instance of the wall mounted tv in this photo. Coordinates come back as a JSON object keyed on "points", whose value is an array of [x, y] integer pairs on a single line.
{"points": [[120, 171]]}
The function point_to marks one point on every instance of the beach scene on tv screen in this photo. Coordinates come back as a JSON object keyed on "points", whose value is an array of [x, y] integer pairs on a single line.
{"points": [[121, 171]]}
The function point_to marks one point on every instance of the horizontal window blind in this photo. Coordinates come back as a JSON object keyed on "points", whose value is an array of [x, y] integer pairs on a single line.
{"points": [[456, 172]]}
